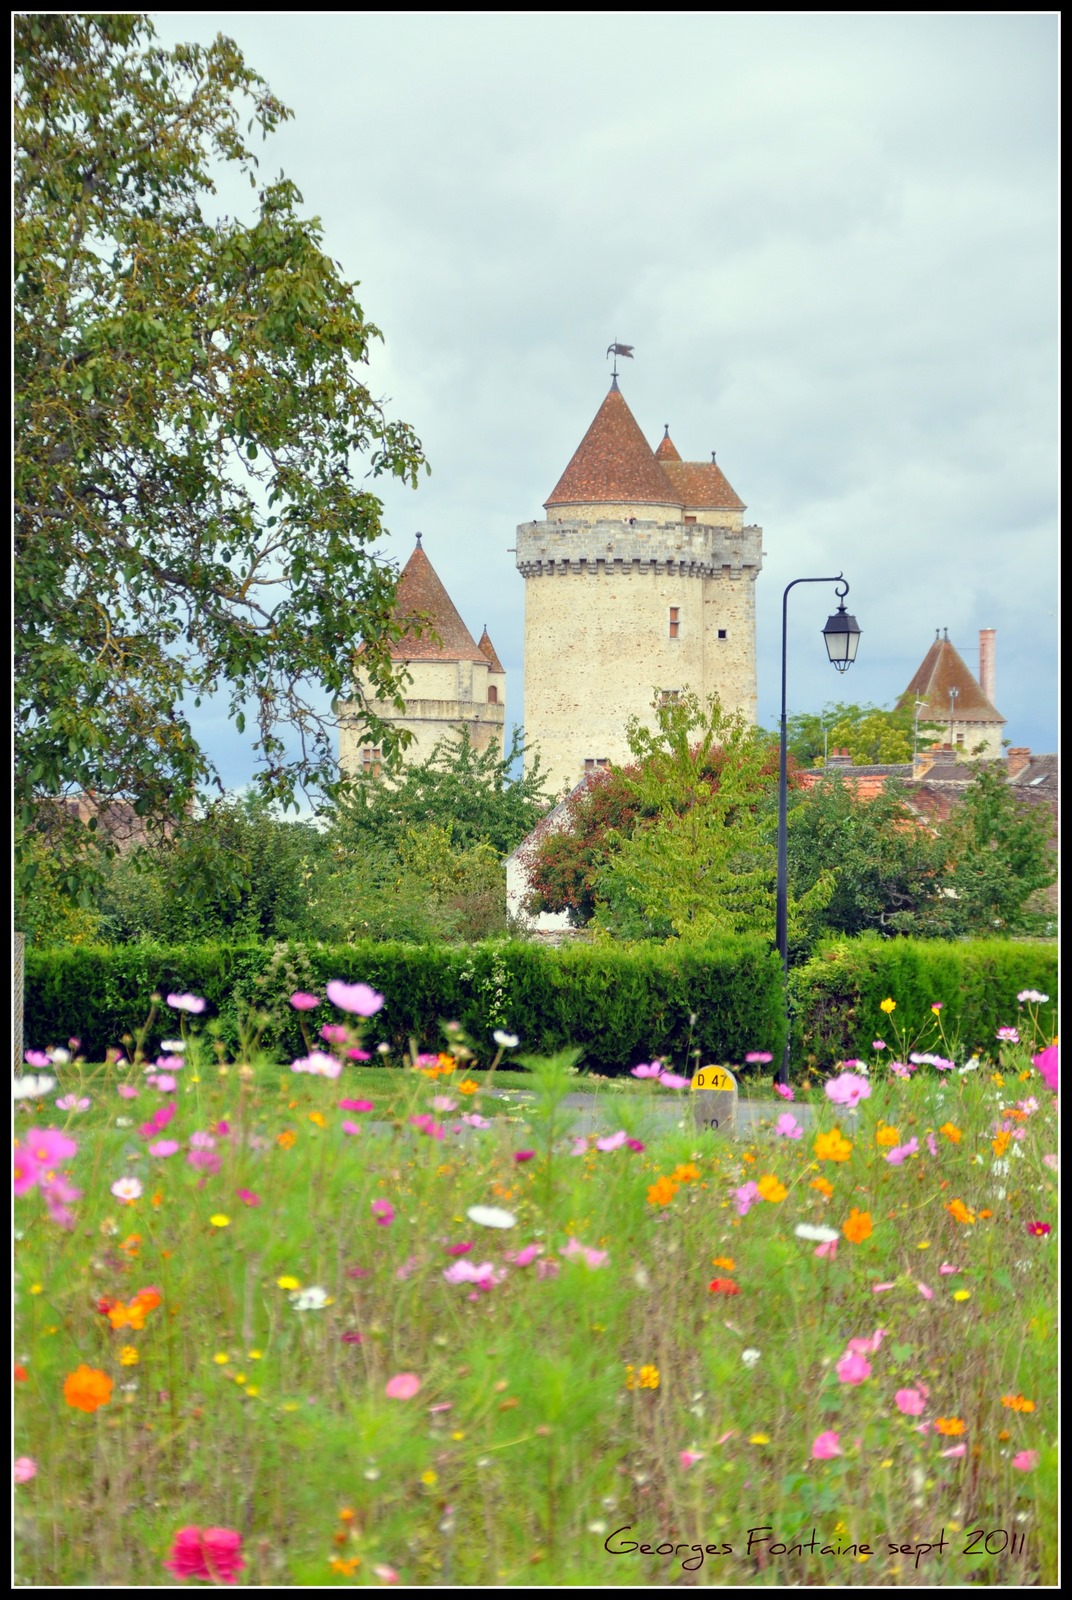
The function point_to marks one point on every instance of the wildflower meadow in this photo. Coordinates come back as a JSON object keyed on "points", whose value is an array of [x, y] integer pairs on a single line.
{"points": [[355, 1320]]}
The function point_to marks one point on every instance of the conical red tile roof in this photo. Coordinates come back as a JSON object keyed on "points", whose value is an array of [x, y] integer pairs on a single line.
{"points": [[667, 449], [421, 593], [613, 464], [941, 670], [701, 483], [485, 646]]}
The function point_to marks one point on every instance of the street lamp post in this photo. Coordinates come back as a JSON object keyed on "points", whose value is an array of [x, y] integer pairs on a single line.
{"points": [[842, 635]]}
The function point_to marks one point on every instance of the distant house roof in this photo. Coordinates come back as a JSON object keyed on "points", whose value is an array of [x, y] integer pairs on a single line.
{"points": [[613, 464], [421, 594], [941, 671]]}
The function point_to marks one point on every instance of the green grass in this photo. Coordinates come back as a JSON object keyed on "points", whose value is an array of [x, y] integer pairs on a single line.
{"points": [[554, 1406]]}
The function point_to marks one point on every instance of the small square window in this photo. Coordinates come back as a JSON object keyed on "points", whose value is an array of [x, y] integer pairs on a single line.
{"points": [[722, 633], [667, 697], [592, 762], [370, 761]]}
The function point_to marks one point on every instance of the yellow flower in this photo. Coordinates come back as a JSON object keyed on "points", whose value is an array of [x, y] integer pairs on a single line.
{"points": [[254, 1355], [430, 1478], [833, 1146], [219, 1220], [288, 1283], [319, 1118], [36, 1288], [759, 1438], [221, 1358], [128, 1356], [887, 1135], [252, 1389], [770, 1188], [961, 1294], [887, 1006], [648, 1377], [240, 1377]]}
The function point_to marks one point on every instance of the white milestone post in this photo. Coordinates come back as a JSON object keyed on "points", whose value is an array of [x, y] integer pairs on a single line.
{"points": [[714, 1099]]}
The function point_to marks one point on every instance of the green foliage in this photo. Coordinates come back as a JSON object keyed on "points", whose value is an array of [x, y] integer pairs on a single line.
{"points": [[999, 856], [188, 411], [872, 736], [836, 996], [620, 1004], [47, 905]]}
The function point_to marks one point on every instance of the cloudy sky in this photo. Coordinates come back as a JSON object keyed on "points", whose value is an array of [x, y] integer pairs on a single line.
{"points": [[832, 241]]}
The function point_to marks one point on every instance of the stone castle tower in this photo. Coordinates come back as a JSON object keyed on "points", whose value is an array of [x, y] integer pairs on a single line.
{"points": [[639, 583], [944, 693], [454, 680]]}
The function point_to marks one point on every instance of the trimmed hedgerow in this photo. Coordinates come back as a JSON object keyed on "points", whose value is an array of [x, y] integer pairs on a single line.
{"points": [[837, 996], [621, 1004]]}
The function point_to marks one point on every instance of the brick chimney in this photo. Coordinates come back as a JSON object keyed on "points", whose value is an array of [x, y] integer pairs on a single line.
{"points": [[1017, 759], [987, 637], [839, 758]]}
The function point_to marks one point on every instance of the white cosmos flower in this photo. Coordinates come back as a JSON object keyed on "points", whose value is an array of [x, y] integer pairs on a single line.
{"points": [[491, 1217], [507, 1040], [173, 1045], [32, 1086], [59, 1057], [312, 1299], [750, 1357], [806, 1230]]}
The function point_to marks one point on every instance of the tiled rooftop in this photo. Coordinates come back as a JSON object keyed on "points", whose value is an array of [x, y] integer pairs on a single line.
{"points": [[613, 464], [941, 670], [486, 648], [421, 593]]}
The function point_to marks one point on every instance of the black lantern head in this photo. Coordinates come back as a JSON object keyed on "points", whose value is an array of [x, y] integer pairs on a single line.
{"points": [[842, 635]]}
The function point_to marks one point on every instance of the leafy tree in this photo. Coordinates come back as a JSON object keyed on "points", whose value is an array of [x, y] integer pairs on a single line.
{"points": [[571, 846], [872, 737], [473, 795], [999, 856], [189, 411]]}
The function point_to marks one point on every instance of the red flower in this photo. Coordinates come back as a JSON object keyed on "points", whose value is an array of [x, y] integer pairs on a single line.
{"points": [[1038, 1228], [723, 1286], [20, 1374], [208, 1553]]}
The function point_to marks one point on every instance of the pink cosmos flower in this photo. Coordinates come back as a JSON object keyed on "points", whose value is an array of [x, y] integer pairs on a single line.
{"points": [[127, 1091], [203, 1160], [428, 1125], [443, 1102], [27, 1171], [1050, 1161], [37, 1058], [460, 1249], [162, 1081], [1026, 1461], [901, 1069], [848, 1089], [351, 1128], [932, 1144], [385, 1573], [827, 1250], [689, 1458], [955, 1450], [186, 1002], [248, 1197], [901, 1151], [357, 998], [475, 1120], [580, 1145], [484, 1275], [1010, 1035], [929, 1059], [58, 1193], [674, 1080], [350, 1337], [1046, 1062], [199, 1140], [127, 1189], [869, 1346], [358, 1055], [746, 1197], [758, 1057], [169, 1063], [947, 1268], [547, 1269], [162, 1148], [334, 1033], [408, 1268], [881, 1288], [785, 1091], [591, 1258], [72, 1102], [384, 1212], [304, 1002], [404, 1385], [526, 1256], [825, 1446], [355, 1105], [613, 1141], [1038, 1230], [644, 1070], [878, 1044], [319, 1064], [524, 1155], [911, 1402], [634, 1144], [211, 1554], [25, 1469], [928, 1294], [49, 1147], [787, 1127], [853, 1368]]}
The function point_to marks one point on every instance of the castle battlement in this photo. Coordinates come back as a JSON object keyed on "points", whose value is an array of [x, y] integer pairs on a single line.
{"points": [[695, 548]]}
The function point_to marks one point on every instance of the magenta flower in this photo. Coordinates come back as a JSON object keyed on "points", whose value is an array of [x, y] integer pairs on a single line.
{"points": [[848, 1089], [248, 1197], [746, 1197], [785, 1091], [428, 1125], [524, 1155], [1046, 1062], [674, 1080], [304, 1002], [354, 997], [613, 1141], [526, 1256], [460, 1249], [404, 1385], [27, 1171], [825, 1446], [900, 1151], [853, 1368], [209, 1554], [644, 1070], [186, 1002], [1026, 1461], [787, 1127], [49, 1147], [633, 1144], [911, 1402], [357, 1055], [355, 1105], [689, 1458], [758, 1057], [164, 1148], [350, 1337], [334, 1032], [1038, 1230], [384, 1212]]}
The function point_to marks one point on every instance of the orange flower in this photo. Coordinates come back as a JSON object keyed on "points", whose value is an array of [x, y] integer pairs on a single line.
{"points": [[1016, 1402], [661, 1192], [131, 1316], [86, 1388], [725, 1262], [887, 1135], [149, 1298], [287, 1138], [949, 1425], [319, 1118], [1000, 1142], [951, 1131], [446, 1063], [684, 1174], [770, 1188], [833, 1146], [467, 1086], [959, 1211], [130, 1244], [858, 1226], [823, 1186], [20, 1374], [723, 1286]]}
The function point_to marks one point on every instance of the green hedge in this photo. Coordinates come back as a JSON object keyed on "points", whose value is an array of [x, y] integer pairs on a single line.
{"points": [[622, 1004], [836, 996]]}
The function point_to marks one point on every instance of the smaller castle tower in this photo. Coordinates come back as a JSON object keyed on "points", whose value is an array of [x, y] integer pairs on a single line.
{"points": [[946, 694], [453, 681]]}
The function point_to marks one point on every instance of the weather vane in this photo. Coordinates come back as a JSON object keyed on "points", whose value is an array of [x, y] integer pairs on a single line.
{"points": [[619, 350]]}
